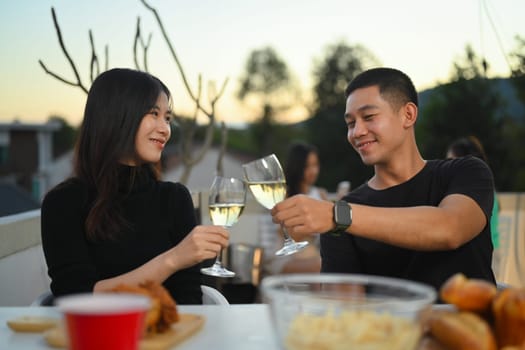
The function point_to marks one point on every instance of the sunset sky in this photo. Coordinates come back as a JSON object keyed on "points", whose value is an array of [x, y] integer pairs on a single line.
{"points": [[214, 37]]}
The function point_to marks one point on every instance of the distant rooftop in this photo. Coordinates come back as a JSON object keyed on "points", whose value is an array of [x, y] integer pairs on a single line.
{"points": [[14, 200], [51, 125]]}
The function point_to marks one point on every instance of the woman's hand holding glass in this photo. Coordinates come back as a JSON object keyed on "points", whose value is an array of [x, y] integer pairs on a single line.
{"points": [[202, 243], [226, 203]]}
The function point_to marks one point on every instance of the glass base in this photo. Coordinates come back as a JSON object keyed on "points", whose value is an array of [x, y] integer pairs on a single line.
{"points": [[291, 247], [218, 271]]}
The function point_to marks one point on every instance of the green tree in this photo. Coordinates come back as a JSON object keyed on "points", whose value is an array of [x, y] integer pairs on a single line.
{"points": [[518, 57], [515, 130], [469, 67], [340, 64], [64, 138], [468, 105], [266, 83]]}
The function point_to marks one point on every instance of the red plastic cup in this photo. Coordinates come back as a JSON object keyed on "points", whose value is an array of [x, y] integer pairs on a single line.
{"points": [[104, 321]]}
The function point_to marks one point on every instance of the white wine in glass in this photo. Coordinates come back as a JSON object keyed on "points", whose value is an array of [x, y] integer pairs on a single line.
{"points": [[226, 203], [268, 193], [265, 178], [225, 214]]}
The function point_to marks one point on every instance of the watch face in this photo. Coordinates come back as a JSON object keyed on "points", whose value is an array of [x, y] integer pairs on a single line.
{"points": [[342, 214]]}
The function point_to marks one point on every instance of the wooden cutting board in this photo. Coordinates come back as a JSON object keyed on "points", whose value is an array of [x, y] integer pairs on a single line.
{"points": [[187, 325]]}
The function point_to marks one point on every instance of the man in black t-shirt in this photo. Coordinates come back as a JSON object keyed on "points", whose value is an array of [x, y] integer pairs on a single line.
{"points": [[414, 219]]}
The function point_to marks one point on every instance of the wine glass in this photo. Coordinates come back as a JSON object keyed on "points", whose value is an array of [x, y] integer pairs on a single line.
{"points": [[267, 183], [226, 203]]}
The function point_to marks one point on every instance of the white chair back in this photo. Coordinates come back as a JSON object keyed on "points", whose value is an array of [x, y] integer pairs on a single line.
{"points": [[44, 299], [211, 296]]}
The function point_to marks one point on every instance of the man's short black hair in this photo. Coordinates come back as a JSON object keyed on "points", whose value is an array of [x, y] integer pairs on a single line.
{"points": [[394, 85]]}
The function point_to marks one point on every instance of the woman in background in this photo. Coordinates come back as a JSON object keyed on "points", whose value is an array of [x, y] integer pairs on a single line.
{"points": [[115, 222], [301, 171]]}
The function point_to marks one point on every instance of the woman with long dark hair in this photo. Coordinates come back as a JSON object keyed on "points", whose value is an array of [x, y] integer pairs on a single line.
{"points": [[115, 222], [301, 171]]}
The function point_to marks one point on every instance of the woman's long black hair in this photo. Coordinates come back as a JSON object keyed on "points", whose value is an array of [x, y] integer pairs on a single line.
{"points": [[117, 102], [466, 146], [295, 165]]}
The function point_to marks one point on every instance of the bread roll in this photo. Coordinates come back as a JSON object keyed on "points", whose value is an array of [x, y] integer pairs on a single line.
{"points": [[429, 343], [461, 331], [468, 294], [509, 317]]}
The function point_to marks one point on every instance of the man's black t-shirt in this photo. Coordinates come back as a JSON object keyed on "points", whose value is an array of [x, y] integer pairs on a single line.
{"points": [[469, 176]]}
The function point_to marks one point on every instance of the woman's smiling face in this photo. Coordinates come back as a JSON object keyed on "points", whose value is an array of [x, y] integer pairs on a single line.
{"points": [[154, 131]]}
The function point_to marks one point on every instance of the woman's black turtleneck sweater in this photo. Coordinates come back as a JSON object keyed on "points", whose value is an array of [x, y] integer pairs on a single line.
{"points": [[160, 215]]}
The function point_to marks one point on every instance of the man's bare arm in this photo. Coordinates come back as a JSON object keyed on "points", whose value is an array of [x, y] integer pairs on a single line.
{"points": [[456, 220]]}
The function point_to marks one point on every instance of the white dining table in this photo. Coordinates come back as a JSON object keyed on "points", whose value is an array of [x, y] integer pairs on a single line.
{"points": [[226, 327]]}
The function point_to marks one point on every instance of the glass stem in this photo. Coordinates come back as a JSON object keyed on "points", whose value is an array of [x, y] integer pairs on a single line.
{"points": [[218, 259], [287, 237]]}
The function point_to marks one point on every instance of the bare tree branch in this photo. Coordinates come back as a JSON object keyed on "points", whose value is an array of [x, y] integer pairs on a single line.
{"points": [[135, 43], [106, 58], [145, 45], [208, 138], [94, 59], [199, 94], [189, 159], [188, 126], [224, 142], [64, 50], [172, 50], [176, 58], [189, 163], [212, 90], [190, 129], [56, 76], [221, 91]]}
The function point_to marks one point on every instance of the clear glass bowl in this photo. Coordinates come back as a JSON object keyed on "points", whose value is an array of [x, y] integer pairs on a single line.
{"points": [[342, 311]]}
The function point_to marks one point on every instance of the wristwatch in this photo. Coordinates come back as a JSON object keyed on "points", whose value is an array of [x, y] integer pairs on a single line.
{"points": [[342, 216]]}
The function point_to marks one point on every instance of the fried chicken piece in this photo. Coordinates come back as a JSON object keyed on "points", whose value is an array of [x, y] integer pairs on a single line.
{"points": [[163, 310], [468, 294], [154, 312], [168, 307]]}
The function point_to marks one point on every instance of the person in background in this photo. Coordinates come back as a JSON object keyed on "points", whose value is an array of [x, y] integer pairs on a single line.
{"points": [[343, 188], [471, 146], [408, 220], [301, 170], [115, 222]]}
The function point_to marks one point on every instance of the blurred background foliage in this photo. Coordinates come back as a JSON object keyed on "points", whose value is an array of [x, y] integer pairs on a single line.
{"points": [[467, 104]]}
